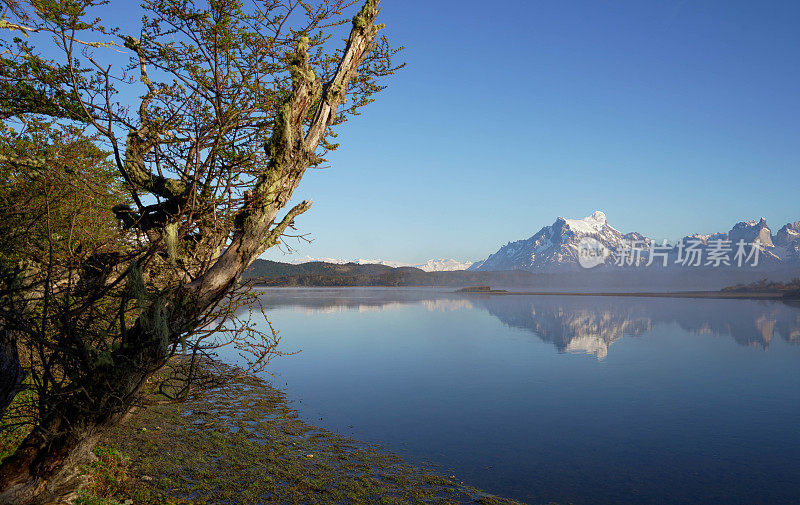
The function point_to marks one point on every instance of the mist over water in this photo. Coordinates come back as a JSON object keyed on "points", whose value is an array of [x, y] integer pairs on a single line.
{"points": [[568, 399]]}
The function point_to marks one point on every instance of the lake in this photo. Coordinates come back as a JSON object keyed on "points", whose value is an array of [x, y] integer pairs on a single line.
{"points": [[556, 398]]}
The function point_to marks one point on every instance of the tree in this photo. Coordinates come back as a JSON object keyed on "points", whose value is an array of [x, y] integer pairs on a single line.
{"points": [[50, 217], [238, 100]]}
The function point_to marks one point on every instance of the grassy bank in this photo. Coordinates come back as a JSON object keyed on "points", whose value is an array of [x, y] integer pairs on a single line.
{"points": [[242, 444]]}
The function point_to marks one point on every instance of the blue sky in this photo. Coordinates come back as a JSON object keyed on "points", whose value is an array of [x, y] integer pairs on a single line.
{"points": [[673, 117]]}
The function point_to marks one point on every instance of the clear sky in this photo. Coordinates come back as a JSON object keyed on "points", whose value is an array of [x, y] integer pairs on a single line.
{"points": [[673, 117]]}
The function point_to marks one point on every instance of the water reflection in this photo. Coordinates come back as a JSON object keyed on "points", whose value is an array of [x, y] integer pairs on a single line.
{"points": [[672, 391], [573, 324], [592, 324]]}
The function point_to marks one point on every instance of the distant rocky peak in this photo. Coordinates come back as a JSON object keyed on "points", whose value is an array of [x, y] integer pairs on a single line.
{"points": [[558, 247], [705, 238], [598, 216], [636, 237], [588, 225], [750, 231], [789, 234]]}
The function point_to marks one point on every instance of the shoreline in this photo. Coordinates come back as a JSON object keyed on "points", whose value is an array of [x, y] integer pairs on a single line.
{"points": [[719, 295], [242, 443], [749, 295]]}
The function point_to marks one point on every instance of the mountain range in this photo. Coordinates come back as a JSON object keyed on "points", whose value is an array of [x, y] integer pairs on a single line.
{"points": [[556, 247], [434, 265]]}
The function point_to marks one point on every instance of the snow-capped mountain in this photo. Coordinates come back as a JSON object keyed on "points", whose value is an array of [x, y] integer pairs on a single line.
{"points": [[340, 261], [788, 239], [443, 265], [556, 247], [749, 231], [434, 265]]}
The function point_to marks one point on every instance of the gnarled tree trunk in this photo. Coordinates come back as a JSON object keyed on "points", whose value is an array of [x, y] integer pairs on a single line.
{"points": [[11, 373], [45, 468]]}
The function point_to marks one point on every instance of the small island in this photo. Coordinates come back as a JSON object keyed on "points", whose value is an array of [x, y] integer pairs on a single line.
{"points": [[480, 289]]}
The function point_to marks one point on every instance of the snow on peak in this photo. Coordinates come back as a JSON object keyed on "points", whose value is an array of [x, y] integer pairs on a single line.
{"points": [[433, 265], [589, 224], [599, 216], [444, 265], [309, 259]]}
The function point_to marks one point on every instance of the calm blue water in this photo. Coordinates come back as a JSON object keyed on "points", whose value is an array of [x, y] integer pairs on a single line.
{"points": [[568, 399]]}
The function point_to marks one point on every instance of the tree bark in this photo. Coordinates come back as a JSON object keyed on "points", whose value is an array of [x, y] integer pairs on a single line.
{"points": [[292, 151], [46, 468], [11, 373]]}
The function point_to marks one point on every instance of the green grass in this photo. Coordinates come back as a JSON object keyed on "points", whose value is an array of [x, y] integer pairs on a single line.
{"points": [[242, 444]]}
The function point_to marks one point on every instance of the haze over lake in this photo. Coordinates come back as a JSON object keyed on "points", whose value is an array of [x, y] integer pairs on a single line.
{"points": [[568, 399]]}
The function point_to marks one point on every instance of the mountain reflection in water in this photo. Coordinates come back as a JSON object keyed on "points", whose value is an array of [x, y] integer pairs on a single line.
{"points": [[573, 324], [526, 397]]}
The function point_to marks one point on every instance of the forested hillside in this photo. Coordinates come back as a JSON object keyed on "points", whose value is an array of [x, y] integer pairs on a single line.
{"points": [[274, 273]]}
